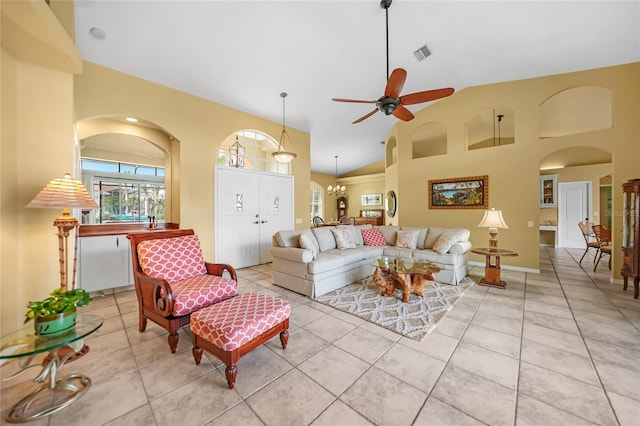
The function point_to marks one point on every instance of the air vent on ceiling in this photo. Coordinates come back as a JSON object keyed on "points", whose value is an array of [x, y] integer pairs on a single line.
{"points": [[422, 53]]}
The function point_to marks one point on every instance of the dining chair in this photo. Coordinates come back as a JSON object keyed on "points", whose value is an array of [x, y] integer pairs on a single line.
{"points": [[317, 221], [603, 237], [586, 228]]}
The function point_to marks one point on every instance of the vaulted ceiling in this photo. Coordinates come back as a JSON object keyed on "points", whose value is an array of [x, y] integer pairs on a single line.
{"points": [[244, 53]]}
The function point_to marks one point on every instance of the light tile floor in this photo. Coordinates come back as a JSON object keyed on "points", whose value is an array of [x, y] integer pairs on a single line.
{"points": [[557, 348]]}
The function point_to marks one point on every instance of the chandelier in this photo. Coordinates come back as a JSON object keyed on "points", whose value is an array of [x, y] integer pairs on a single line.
{"points": [[281, 155], [337, 189]]}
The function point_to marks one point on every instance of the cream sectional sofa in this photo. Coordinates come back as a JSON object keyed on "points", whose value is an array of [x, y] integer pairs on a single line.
{"points": [[296, 269]]}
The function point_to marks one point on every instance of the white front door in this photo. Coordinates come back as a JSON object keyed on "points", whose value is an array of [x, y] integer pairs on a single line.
{"points": [[574, 205], [250, 207]]}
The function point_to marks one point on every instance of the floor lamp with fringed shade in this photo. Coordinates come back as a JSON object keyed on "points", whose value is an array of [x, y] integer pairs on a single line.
{"points": [[65, 193]]}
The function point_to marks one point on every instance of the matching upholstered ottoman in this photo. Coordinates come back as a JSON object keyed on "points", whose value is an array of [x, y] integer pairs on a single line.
{"points": [[234, 327]]}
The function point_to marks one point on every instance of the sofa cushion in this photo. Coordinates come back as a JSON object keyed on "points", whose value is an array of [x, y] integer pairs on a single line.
{"points": [[203, 290], [446, 240], [172, 259], [389, 233], [343, 237], [350, 256], [355, 233], [359, 228], [439, 259], [373, 237], [421, 236], [305, 243], [325, 238], [432, 236], [407, 239], [326, 262]]}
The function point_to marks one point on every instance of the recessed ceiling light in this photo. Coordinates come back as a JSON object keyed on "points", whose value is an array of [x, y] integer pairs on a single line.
{"points": [[98, 33], [131, 120]]}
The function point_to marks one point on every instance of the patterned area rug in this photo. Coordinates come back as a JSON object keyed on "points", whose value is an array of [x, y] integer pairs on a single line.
{"points": [[415, 319]]}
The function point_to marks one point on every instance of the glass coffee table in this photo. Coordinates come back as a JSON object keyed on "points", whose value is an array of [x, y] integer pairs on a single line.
{"points": [[55, 394], [409, 275]]}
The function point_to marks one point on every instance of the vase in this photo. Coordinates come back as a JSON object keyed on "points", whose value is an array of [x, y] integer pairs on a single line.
{"points": [[55, 324]]}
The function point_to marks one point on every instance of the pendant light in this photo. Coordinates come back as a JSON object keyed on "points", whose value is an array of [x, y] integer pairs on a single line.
{"points": [[337, 189], [281, 155]]}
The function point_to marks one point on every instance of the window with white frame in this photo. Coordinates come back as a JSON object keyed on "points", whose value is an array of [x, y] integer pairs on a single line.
{"points": [[316, 201]]}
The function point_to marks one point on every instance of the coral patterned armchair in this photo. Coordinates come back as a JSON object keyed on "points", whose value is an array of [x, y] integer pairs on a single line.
{"points": [[172, 280]]}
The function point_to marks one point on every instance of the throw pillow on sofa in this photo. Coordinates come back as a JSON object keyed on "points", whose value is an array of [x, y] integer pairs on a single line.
{"points": [[446, 240], [344, 239], [373, 237], [305, 243], [407, 239]]}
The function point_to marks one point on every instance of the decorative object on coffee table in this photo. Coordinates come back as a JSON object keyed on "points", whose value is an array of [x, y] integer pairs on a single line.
{"points": [[407, 275], [492, 270], [493, 220]]}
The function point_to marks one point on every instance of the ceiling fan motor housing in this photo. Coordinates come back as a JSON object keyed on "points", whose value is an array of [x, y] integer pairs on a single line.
{"points": [[387, 104]]}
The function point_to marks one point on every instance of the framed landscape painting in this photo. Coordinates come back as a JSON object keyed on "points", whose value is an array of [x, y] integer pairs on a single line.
{"points": [[459, 193]]}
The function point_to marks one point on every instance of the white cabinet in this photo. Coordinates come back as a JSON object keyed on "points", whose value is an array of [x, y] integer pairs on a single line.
{"points": [[548, 191], [105, 262]]}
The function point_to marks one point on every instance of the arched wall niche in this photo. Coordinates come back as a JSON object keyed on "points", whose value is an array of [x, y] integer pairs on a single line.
{"points": [[391, 151], [574, 157], [429, 140], [491, 127], [576, 110]]}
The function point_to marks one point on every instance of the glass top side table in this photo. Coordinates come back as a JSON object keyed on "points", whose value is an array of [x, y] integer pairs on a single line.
{"points": [[54, 394]]}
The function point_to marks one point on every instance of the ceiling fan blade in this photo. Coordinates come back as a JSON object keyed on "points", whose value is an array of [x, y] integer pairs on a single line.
{"points": [[402, 113], [395, 83], [364, 117], [353, 100], [426, 96]]}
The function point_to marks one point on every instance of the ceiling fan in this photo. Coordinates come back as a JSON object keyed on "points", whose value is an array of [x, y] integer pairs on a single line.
{"points": [[392, 103]]}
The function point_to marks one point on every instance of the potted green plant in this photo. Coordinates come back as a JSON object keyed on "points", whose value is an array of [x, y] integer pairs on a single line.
{"points": [[57, 312]]}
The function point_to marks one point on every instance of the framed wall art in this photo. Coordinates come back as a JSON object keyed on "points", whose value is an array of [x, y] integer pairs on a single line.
{"points": [[459, 193], [371, 199]]}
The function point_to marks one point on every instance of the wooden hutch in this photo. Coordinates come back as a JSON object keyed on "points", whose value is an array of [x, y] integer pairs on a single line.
{"points": [[631, 234], [372, 216]]}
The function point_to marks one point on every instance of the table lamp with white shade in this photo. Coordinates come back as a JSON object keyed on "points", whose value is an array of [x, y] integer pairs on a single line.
{"points": [[493, 220]]}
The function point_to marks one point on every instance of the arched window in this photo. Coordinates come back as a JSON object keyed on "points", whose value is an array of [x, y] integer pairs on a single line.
{"points": [[316, 201], [258, 147]]}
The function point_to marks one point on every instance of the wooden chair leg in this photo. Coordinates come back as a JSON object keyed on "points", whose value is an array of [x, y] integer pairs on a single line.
{"points": [[284, 338], [231, 372], [197, 354], [173, 342]]}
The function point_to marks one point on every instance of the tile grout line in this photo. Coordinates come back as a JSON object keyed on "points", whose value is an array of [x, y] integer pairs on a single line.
{"points": [[595, 369]]}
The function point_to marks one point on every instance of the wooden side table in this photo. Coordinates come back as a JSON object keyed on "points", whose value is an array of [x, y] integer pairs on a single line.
{"points": [[492, 271]]}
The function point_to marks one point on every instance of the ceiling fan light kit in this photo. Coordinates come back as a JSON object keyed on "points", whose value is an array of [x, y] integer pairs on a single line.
{"points": [[392, 103], [281, 155]]}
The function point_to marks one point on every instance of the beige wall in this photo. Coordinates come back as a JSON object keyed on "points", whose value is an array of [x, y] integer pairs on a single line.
{"points": [[513, 170], [199, 125], [36, 80]]}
